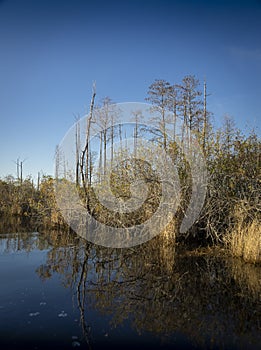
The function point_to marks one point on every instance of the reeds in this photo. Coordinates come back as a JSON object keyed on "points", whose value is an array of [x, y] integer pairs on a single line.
{"points": [[245, 241]]}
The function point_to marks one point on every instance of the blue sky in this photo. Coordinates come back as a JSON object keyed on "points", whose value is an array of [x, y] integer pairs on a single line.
{"points": [[52, 51]]}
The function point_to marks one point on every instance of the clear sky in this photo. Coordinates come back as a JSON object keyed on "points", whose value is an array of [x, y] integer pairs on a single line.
{"points": [[52, 51]]}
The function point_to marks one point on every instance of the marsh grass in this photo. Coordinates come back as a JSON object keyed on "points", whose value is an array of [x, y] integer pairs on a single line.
{"points": [[245, 241]]}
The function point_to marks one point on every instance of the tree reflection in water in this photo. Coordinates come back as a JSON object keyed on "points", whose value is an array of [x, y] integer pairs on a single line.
{"points": [[212, 299], [160, 291]]}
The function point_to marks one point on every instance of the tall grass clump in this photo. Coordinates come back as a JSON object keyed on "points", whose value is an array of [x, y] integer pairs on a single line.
{"points": [[244, 239]]}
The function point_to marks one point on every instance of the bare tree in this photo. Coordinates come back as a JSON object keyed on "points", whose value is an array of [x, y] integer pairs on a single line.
{"points": [[159, 93], [85, 156], [137, 118], [206, 124], [77, 151], [191, 102], [104, 120], [173, 106]]}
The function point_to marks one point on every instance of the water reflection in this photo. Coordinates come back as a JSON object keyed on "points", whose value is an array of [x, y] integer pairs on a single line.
{"points": [[206, 300]]}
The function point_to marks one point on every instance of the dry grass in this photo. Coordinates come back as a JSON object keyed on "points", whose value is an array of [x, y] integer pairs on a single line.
{"points": [[245, 241]]}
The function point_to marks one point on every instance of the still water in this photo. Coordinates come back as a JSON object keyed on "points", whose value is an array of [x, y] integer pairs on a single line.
{"points": [[60, 291]]}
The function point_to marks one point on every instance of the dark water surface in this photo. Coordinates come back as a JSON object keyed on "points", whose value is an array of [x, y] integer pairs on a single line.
{"points": [[58, 291]]}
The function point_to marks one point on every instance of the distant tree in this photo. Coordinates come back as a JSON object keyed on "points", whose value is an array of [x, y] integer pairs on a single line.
{"points": [[104, 120], [228, 132], [137, 118], [159, 96], [190, 103], [173, 104]]}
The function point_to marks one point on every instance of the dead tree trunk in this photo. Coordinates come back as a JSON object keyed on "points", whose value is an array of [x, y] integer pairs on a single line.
{"points": [[204, 119], [85, 156], [77, 153]]}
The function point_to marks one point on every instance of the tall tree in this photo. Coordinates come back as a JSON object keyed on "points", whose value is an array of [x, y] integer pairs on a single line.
{"points": [[85, 156], [159, 97], [173, 100], [191, 103], [137, 118], [104, 120], [77, 151], [206, 124]]}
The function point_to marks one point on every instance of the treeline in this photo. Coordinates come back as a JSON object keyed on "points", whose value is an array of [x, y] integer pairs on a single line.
{"points": [[24, 199], [231, 212]]}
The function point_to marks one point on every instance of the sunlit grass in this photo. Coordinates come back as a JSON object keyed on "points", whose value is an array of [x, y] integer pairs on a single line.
{"points": [[245, 241]]}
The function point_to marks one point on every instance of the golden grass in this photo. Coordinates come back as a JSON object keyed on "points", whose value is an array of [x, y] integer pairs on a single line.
{"points": [[245, 241]]}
